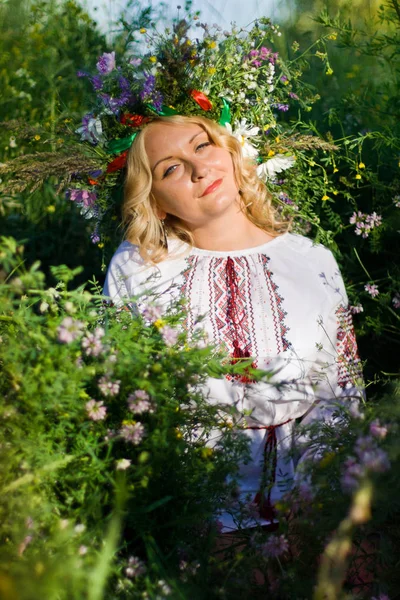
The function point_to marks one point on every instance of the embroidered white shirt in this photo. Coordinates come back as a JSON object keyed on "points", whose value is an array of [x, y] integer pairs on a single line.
{"points": [[283, 304]]}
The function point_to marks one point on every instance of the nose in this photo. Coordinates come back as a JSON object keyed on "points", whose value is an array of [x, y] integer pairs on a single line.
{"points": [[199, 169]]}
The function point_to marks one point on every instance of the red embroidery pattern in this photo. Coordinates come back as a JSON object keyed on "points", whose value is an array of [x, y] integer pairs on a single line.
{"points": [[348, 361], [186, 289], [278, 314]]}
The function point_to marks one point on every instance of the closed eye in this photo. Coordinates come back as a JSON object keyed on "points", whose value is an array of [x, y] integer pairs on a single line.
{"points": [[170, 170], [203, 145]]}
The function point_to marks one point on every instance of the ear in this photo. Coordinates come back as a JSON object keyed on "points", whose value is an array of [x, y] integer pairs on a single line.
{"points": [[161, 214]]}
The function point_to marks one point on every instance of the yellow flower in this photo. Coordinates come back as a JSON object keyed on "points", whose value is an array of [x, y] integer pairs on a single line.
{"points": [[101, 245], [333, 36], [178, 434], [159, 323], [206, 452], [286, 82], [358, 176], [361, 165], [212, 70], [312, 163], [212, 44], [142, 30], [153, 59], [60, 141], [188, 42], [51, 208], [271, 153], [335, 170], [277, 139], [329, 71], [335, 192], [325, 197], [37, 137], [67, 120]]}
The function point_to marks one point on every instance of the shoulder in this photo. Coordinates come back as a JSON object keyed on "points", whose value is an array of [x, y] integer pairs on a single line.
{"points": [[126, 257], [310, 250]]}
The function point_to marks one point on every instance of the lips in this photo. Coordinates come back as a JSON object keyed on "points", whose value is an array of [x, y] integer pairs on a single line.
{"points": [[212, 187]]}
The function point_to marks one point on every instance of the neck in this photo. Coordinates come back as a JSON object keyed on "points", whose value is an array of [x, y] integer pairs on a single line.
{"points": [[236, 233]]}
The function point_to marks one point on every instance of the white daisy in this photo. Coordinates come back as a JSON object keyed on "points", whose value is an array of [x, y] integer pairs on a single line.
{"points": [[242, 133], [277, 164]]}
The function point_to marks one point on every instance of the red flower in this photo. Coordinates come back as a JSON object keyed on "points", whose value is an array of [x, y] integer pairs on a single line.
{"points": [[118, 163], [133, 120], [201, 99]]}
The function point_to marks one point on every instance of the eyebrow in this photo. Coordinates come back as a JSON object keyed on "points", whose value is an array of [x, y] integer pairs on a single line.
{"points": [[168, 157]]}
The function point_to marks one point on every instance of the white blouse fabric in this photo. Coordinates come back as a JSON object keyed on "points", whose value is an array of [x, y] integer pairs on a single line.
{"points": [[283, 304]]}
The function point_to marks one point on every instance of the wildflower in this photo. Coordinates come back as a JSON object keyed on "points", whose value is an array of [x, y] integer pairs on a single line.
{"points": [[358, 176], [277, 164], [335, 170], [376, 460], [82, 550], [108, 387], [91, 129], [242, 133], [396, 300], [95, 410], [352, 475], [329, 71], [355, 412], [132, 432], [37, 137], [122, 464], [377, 430], [152, 312], [23, 545], [91, 343], [12, 142], [135, 62], [139, 402], [275, 546], [142, 30], [82, 197], [69, 330], [396, 201], [324, 198], [106, 63], [361, 165], [372, 289], [280, 106], [79, 528], [169, 335], [164, 587], [135, 567], [149, 93], [356, 309], [374, 220], [153, 59]]}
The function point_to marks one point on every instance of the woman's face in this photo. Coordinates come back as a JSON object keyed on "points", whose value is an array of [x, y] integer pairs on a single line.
{"points": [[192, 178]]}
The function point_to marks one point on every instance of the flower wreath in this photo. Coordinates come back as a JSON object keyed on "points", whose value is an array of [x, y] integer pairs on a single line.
{"points": [[223, 76]]}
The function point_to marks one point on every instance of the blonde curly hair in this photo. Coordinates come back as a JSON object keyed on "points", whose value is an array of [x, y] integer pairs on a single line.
{"points": [[144, 228]]}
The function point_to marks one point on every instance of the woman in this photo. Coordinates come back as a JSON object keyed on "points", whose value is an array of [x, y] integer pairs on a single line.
{"points": [[199, 224]]}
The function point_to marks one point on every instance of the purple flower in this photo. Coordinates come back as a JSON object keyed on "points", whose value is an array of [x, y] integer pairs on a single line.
{"points": [[169, 335], [108, 387], [275, 546], [135, 567], [352, 475], [91, 129], [95, 410], [284, 78], [372, 289], [135, 62], [149, 94], [139, 402], [151, 312], [69, 330], [376, 460], [280, 106], [106, 63], [132, 432], [82, 197], [377, 430], [293, 95], [97, 82]]}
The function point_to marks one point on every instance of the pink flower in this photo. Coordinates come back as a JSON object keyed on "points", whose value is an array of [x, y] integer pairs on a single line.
{"points": [[139, 402], [275, 546], [108, 387], [396, 300], [82, 550], [377, 430], [69, 330], [355, 310], [169, 335], [96, 411], [352, 475], [106, 63], [152, 312], [372, 289], [132, 432], [92, 344]]}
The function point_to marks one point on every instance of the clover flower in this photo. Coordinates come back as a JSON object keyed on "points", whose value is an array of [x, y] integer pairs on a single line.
{"points": [[108, 387], [369, 458], [151, 312], [365, 223], [275, 546], [82, 197], [95, 410], [92, 344], [169, 335], [377, 430], [139, 402], [69, 330], [132, 432], [356, 309], [372, 289], [396, 300], [135, 567], [106, 63]]}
